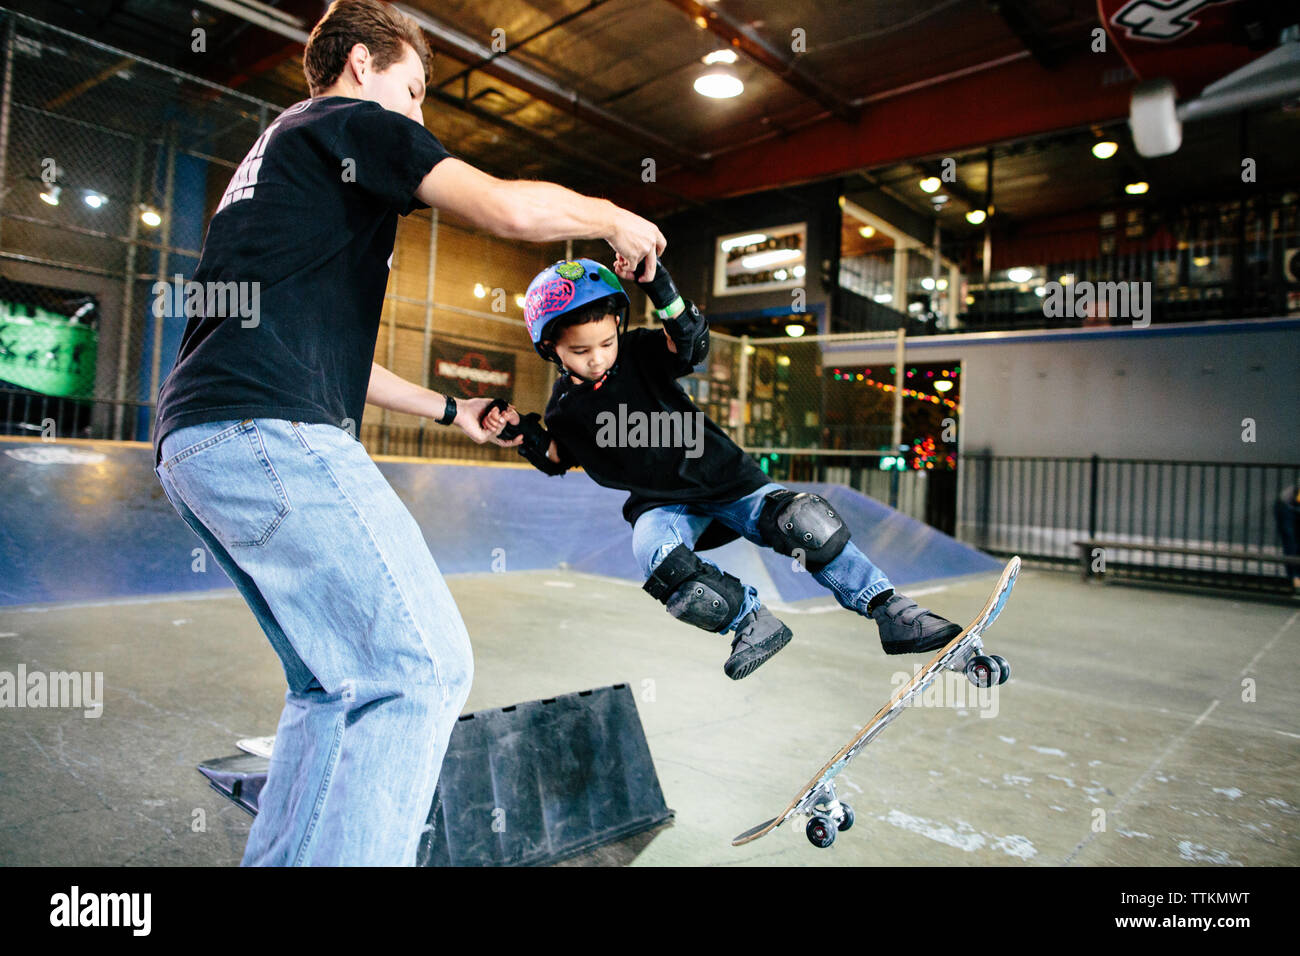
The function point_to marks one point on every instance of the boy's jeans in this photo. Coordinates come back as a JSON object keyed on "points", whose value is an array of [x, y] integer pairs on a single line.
{"points": [[375, 653], [851, 577]]}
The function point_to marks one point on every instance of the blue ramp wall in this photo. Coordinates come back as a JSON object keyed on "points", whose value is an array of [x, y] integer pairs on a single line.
{"points": [[88, 521]]}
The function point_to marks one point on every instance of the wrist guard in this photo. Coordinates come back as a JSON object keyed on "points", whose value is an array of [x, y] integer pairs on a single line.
{"points": [[663, 293], [536, 439], [690, 333]]}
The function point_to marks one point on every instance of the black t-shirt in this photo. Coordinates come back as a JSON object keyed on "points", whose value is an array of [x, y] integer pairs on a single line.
{"points": [[310, 217], [609, 430]]}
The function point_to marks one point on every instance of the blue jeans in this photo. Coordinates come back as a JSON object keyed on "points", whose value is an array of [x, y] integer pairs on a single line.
{"points": [[375, 653], [851, 577]]}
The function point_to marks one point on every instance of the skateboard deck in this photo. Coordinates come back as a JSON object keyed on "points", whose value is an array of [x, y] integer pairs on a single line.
{"points": [[963, 653]]}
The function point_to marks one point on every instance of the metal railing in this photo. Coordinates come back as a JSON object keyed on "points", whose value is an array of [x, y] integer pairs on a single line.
{"points": [[1041, 508]]}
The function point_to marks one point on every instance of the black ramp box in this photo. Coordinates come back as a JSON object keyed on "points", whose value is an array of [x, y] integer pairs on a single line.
{"points": [[528, 784]]}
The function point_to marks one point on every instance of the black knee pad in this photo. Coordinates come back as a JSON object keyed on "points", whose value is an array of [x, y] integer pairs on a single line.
{"points": [[696, 592], [791, 521]]}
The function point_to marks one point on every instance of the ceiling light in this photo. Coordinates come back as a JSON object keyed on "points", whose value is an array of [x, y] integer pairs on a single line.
{"points": [[794, 331], [479, 291], [519, 301], [93, 199], [149, 216], [927, 284], [976, 216], [721, 56], [50, 194], [943, 384], [1105, 149], [798, 272], [1136, 189], [866, 232], [1020, 274], [719, 82], [930, 184]]}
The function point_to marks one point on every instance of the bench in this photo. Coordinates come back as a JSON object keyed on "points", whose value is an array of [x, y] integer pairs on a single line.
{"points": [[1087, 545]]}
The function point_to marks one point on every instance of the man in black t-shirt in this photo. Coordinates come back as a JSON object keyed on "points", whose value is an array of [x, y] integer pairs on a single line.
{"points": [[618, 411], [255, 438]]}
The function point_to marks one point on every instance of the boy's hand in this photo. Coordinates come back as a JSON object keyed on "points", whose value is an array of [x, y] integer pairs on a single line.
{"points": [[661, 290], [481, 422], [634, 239], [624, 270]]}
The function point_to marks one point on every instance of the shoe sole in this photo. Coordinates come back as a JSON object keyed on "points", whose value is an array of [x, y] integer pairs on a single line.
{"points": [[758, 655]]}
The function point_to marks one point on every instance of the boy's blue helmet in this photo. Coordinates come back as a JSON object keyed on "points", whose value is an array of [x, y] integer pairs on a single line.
{"points": [[563, 287]]}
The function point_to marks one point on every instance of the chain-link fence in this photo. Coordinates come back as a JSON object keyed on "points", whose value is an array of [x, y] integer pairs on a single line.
{"points": [[107, 169], [110, 168]]}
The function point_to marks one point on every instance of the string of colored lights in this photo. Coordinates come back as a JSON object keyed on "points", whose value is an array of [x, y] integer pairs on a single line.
{"points": [[864, 377]]}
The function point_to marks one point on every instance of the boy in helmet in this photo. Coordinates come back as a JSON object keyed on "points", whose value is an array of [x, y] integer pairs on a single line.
{"points": [[618, 411]]}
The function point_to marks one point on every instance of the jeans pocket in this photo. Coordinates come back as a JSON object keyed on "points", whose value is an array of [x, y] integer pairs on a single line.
{"points": [[228, 481]]}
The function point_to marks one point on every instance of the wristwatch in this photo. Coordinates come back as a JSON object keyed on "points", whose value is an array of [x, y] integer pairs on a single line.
{"points": [[449, 415]]}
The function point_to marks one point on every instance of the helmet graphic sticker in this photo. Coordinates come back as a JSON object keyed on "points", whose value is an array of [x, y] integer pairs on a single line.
{"points": [[547, 299], [570, 269]]}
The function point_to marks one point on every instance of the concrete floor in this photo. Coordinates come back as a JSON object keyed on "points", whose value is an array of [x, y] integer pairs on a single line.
{"points": [[1123, 700]]}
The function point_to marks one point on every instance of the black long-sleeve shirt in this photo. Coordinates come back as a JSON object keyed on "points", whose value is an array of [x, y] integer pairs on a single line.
{"points": [[594, 426]]}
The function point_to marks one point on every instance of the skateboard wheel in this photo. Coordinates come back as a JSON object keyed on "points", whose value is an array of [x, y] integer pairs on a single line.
{"points": [[983, 671], [1153, 118], [1004, 669], [847, 821], [820, 832]]}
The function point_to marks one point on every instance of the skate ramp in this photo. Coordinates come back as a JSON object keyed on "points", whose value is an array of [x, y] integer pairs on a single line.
{"points": [[88, 521]]}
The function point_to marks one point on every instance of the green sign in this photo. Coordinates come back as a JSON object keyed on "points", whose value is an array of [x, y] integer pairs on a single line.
{"points": [[46, 353]]}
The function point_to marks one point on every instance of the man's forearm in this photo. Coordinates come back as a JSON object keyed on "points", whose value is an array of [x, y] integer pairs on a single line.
{"points": [[391, 391], [546, 212]]}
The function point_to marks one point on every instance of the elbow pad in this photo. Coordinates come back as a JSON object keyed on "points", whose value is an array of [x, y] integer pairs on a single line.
{"points": [[689, 331]]}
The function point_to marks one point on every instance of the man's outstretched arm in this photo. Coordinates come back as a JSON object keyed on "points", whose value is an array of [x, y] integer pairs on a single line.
{"points": [[538, 212], [391, 391]]}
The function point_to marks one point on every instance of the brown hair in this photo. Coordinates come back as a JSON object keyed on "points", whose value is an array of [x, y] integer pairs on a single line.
{"points": [[346, 23]]}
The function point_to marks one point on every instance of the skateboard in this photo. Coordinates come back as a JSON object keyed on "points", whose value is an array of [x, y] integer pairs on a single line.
{"points": [[1196, 59], [964, 654]]}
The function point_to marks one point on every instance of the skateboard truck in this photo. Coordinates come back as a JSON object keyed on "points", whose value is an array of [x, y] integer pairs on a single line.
{"points": [[827, 814]]}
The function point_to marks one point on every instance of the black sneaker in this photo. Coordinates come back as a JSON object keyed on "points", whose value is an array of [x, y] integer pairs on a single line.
{"points": [[908, 628], [758, 636]]}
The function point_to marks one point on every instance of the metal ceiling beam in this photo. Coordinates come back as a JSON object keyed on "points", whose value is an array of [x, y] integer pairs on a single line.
{"points": [[267, 17], [781, 64], [1006, 102], [536, 84], [553, 25], [1029, 31]]}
